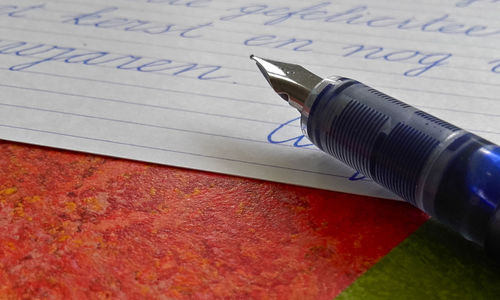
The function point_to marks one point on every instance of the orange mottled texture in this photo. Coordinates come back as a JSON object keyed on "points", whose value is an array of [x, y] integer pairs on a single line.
{"points": [[85, 226]]}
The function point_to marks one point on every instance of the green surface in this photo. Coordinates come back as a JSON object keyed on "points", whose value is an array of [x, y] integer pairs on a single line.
{"points": [[433, 263]]}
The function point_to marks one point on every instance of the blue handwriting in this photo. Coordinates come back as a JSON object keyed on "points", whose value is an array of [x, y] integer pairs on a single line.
{"points": [[496, 66], [357, 176], [186, 3], [16, 11], [44, 53], [467, 3], [102, 19], [426, 61], [361, 15], [273, 41], [297, 142]]}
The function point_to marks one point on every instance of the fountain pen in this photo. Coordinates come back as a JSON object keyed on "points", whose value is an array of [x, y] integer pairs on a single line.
{"points": [[449, 173]]}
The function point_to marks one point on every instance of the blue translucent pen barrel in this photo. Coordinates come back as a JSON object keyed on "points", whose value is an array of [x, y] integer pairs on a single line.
{"points": [[450, 173]]}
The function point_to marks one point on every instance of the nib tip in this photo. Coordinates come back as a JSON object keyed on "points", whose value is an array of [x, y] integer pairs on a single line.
{"points": [[292, 82]]}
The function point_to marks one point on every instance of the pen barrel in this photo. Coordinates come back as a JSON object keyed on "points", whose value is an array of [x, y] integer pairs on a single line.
{"points": [[450, 173]]}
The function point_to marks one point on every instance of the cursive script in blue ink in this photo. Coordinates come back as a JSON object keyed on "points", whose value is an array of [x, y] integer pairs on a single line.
{"points": [[186, 3], [496, 66], [467, 3], [273, 41], [357, 176], [17, 11], [102, 19], [297, 140], [45, 53], [361, 15], [425, 60]]}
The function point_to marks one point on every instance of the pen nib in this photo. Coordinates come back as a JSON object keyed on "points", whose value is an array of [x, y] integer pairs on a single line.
{"points": [[292, 82]]}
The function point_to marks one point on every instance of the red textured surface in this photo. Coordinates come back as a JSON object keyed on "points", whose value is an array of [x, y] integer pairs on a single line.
{"points": [[84, 226]]}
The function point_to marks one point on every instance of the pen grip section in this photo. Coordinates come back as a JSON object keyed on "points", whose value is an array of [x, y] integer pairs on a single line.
{"points": [[446, 171], [381, 137]]}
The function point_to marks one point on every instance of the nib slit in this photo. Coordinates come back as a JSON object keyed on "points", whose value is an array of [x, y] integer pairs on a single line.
{"points": [[292, 82]]}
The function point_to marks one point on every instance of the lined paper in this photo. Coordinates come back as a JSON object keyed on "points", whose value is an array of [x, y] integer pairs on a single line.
{"points": [[171, 82]]}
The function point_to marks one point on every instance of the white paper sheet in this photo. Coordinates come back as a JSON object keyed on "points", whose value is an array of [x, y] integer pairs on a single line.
{"points": [[171, 82]]}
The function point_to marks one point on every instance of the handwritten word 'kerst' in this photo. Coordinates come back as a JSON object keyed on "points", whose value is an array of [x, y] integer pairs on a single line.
{"points": [[102, 19]]}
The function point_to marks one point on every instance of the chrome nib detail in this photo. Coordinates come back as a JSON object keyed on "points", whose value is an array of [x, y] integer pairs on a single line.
{"points": [[292, 82]]}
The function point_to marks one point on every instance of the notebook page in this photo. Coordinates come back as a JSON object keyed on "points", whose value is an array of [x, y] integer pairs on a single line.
{"points": [[171, 82]]}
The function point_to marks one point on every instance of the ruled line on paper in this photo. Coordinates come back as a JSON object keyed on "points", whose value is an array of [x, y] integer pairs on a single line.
{"points": [[163, 127], [496, 115], [455, 110], [142, 124], [125, 102], [401, 62], [214, 97], [470, 81], [409, 7], [329, 41], [238, 98], [169, 90], [438, 78], [343, 33], [244, 69], [167, 150]]}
